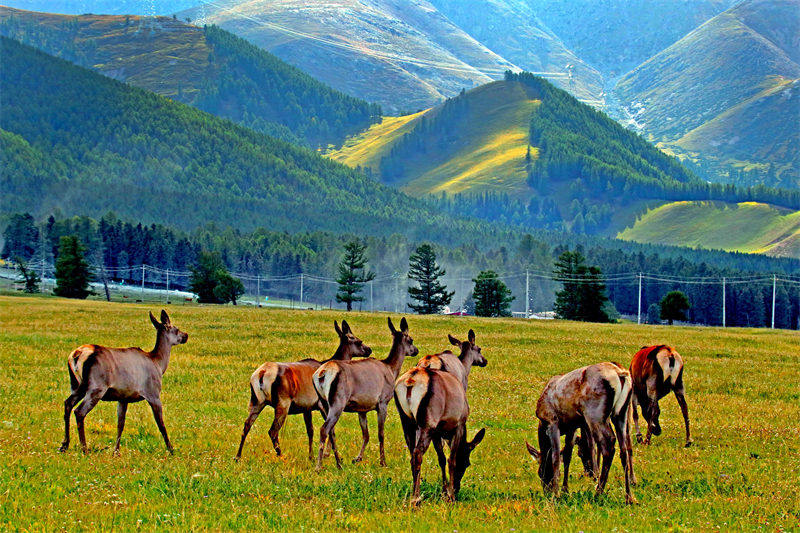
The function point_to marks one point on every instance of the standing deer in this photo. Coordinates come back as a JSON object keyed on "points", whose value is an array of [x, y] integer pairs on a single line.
{"points": [[361, 386], [458, 365], [289, 389], [585, 398], [657, 371], [124, 375], [433, 407]]}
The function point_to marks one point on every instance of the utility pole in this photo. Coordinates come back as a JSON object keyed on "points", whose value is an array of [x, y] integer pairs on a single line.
{"points": [[396, 292], [723, 302], [371, 301], [167, 285], [639, 313], [258, 288], [461, 294], [774, 282], [301, 288], [142, 280], [527, 295]]}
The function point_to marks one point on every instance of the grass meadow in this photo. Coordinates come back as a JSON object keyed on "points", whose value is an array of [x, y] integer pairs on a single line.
{"points": [[743, 389]]}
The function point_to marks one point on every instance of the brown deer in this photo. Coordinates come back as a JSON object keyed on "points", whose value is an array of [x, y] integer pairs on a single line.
{"points": [[657, 371], [458, 365], [124, 375], [433, 407], [361, 386], [586, 398], [289, 389]]}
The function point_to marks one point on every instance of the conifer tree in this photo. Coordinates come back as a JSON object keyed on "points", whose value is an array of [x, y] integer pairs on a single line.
{"points": [[492, 296], [72, 270], [583, 296], [353, 274], [674, 306], [430, 294]]}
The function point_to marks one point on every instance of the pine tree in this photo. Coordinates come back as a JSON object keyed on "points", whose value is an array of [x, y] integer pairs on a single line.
{"points": [[492, 297], [352, 274], [431, 295], [72, 270], [212, 282], [674, 306], [29, 276], [584, 294]]}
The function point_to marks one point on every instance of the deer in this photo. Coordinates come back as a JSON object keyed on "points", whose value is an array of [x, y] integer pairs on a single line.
{"points": [[123, 375], [433, 407], [288, 389], [587, 398], [458, 365], [657, 371], [361, 386]]}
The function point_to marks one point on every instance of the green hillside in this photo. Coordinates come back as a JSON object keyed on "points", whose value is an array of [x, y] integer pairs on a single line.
{"points": [[718, 73], [87, 144], [476, 143], [744, 227], [208, 68]]}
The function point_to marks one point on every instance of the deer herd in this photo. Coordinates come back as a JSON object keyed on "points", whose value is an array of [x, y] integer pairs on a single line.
{"points": [[431, 399]]}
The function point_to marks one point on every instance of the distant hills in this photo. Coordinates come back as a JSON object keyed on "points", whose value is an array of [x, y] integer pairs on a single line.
{"points": [[744, 227], [208, 68], [86, 144], [725, 94]]}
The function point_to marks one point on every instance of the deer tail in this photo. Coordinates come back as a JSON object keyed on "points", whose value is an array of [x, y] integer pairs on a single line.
{"points": [[79, 363], [623, 393], [326, 380], [261, 382]]}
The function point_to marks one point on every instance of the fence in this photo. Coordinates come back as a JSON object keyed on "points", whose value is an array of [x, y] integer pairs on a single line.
{"points": [[631, 292]]}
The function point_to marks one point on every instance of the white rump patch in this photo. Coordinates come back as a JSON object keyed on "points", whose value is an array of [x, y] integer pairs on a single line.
{"points": [[670, 367], [77, 359], [323, 378], [263, 386], [409, 402], [621, 392]]}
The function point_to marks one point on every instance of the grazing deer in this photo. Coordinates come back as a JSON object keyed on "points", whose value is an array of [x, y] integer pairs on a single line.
{"points": [[289, 389], [124, 375], [458, 365], [657, 371], [585, 398], [433, 408], [361, 386]]}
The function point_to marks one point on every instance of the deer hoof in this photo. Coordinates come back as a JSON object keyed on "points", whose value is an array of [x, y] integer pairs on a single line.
{"points": [[630, 499], [639, 438], [415, 501], [383, 462], [357, 459], [689, 443], [63, 448], [171, 450]]}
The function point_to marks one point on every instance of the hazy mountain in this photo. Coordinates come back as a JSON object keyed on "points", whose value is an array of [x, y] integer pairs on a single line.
{"points": [[725, 92], [207, 68], [104, 7]]}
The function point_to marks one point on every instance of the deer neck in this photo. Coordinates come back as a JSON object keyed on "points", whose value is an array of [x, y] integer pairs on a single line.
{"points": [[160, 353], [341, 353], [395, 359]]}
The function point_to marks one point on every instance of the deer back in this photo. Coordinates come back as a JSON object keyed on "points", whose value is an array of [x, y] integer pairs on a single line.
{"points": [[448, 362]]}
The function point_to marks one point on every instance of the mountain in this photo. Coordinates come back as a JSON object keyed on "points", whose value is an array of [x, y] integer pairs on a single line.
{"points": [[208, 68], [107, 7], [742, 227], [615, 36], [86, 144], [700, 96]]}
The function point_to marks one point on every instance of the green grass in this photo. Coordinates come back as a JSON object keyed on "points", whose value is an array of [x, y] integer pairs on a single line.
{"points": [[741, 387], [487, 155], [745, 227]]}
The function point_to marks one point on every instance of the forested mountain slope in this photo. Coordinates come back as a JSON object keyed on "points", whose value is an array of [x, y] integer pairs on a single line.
{"points": [[725, 93], [208, 68], [86, 144]]}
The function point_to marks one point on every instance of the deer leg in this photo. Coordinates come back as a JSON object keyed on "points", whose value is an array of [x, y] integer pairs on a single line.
{"points": [[421, 447], [331, 418], [122, 410], [605, 439], [310, 432], [555, 455], [439, 447], [158, 414], [566, 455], [89, 401], [281, 410], [69, 404], [680, 396], [621, 427], [255, 410], [362, 419], [323, 409], [381, 423], [635, 407]]}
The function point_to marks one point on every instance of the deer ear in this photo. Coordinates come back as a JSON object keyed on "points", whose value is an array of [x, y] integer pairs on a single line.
{"points": [[336, 327], [403, 325], [155, 322], [165, 318], [391, 326], [533, 451], [471, 337], [454, 341], [478, 438], [346, 327]]}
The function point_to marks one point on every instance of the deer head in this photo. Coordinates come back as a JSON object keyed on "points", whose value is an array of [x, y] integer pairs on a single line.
{"points": [[349, 345], [470, 352], [402, 340], [462, 459], [545, 460], [172, 335]]}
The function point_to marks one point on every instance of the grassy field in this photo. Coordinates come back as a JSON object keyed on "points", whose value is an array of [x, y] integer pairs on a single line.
{"points": [[745, 227], [742, 389]]}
